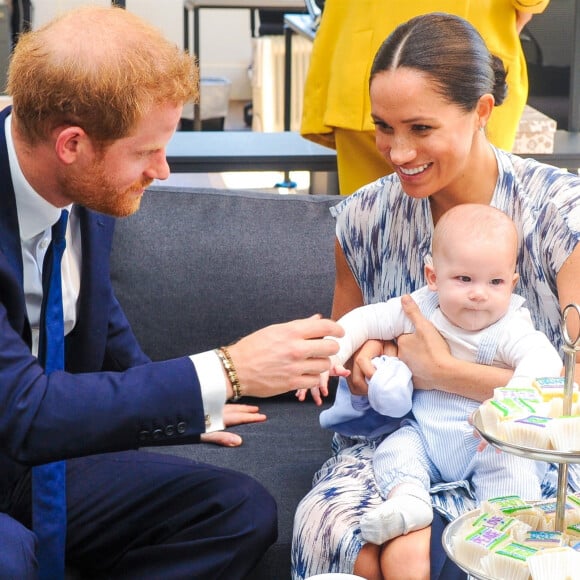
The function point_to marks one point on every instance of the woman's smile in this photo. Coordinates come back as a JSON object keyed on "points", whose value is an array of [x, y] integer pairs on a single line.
{"points": [[411, 171]]}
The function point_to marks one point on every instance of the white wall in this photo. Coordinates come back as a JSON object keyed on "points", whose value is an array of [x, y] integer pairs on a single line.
{"points": [[225, 36]]}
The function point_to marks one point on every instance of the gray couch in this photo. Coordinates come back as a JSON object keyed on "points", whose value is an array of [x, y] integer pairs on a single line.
{"points": [[195, 269]]}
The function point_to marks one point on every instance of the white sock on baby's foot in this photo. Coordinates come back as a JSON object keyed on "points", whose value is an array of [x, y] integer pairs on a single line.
{"points": [[402, 513]]}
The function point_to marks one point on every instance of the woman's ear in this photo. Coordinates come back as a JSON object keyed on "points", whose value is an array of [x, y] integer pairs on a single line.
{"points": [[431, 277], [484, 108], [70, 143]]}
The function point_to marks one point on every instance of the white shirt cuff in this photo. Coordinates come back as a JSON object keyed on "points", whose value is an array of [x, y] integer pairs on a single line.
{"points": [[213, 388]]}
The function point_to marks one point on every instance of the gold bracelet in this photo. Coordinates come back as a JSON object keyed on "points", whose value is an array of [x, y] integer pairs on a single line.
{"points": [[230, 369]]}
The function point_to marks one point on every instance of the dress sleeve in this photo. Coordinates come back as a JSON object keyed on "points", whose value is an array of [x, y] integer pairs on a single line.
{"points": [[559, 220]]}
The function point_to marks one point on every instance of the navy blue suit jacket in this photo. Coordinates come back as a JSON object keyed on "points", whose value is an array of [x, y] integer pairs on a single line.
{"points": [[111, 397]]}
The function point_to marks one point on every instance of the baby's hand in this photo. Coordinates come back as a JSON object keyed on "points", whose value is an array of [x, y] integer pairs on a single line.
{"points": [[336, 370], [316, 392]]}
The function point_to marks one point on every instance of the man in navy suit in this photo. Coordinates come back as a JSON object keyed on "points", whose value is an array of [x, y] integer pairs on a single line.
{"points": [[97, 94]]}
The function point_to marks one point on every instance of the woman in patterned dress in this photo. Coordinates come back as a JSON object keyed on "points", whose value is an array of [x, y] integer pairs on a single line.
{"points": [[433, 88]]}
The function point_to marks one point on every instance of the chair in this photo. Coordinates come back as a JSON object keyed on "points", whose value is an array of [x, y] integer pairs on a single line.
{"points": [[547, 42]]}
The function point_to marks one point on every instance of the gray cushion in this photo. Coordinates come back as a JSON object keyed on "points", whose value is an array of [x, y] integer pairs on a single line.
{"points": [[197, 268]]}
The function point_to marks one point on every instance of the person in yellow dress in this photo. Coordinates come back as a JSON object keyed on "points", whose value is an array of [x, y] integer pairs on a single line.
{"points": [[336, 108]]}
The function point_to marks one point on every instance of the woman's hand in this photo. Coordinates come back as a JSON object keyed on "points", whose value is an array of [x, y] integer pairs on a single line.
{"points": [[234, 414], [423, 351], [522, 18]]}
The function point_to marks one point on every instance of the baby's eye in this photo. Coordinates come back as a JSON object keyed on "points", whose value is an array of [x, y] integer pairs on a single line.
{"points": [[497, 282], [464, 278]]}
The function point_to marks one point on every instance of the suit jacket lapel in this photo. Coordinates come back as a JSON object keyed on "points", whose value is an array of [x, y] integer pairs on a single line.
{"points": [[10, 237]]}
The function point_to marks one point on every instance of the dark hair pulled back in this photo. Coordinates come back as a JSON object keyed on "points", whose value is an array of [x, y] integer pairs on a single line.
{"points": [[451, 51]]}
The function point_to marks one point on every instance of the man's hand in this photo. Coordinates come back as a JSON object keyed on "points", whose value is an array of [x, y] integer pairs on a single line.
{"points": [[234, 415], [424, 350], [285, 357]]}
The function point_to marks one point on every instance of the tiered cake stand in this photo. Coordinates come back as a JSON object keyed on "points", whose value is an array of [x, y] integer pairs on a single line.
{"points": [[562, 458]]}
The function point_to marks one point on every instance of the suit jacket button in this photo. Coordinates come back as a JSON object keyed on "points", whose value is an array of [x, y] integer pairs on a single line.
{"points": [[144, 435], [170, 430], [157, 433], [181, 427]]}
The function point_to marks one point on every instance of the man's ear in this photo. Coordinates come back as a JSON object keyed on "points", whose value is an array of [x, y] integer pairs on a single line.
{"points": [[71, 142], [431, 277]]}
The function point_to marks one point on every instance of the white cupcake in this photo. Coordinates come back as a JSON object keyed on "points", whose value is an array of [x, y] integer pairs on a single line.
{"points": [[565, 433], [494, 413], [530, 431], [548, 507], [469, 549], [490, 418], [554, 563], [515, 507], [508, 562], [552, 389]]}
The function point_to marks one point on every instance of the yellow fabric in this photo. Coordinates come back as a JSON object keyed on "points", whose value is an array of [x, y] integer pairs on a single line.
{"points": [[358, 159], [351, 31]]}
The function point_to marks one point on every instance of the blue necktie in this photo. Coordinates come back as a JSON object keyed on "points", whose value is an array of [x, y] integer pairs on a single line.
{"points": [[48, 481]]}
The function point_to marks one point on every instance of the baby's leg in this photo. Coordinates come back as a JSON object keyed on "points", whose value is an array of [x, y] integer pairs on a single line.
{"points": [[407, 509], [402, 472], [494, 474]]}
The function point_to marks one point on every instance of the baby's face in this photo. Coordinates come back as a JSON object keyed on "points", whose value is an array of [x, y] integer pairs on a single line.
{"points": [[475, 283]]}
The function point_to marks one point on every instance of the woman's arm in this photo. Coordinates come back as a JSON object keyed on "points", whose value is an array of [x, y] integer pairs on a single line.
{"points": [[347, 296]]}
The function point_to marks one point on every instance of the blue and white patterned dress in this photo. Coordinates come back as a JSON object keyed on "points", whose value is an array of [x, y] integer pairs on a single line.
{"points": [[385, 236]]}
